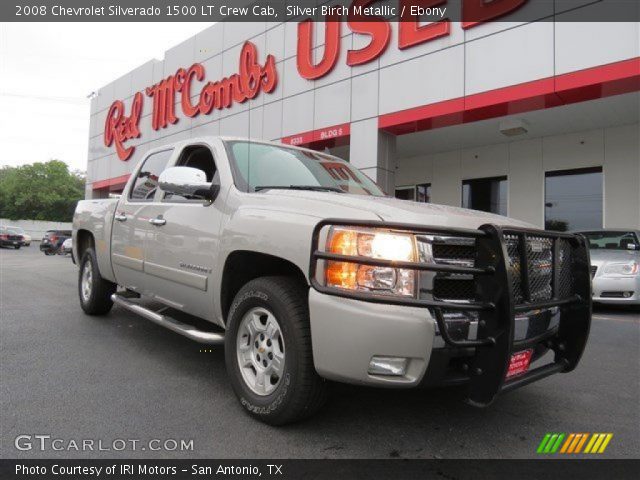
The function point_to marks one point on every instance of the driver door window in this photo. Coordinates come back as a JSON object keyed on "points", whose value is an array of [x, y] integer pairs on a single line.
{"points": [[200, 157], [146, 183]]}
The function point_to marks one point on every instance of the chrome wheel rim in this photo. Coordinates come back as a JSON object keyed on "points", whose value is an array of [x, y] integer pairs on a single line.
{"points": [[260, 351], [86, 282]]}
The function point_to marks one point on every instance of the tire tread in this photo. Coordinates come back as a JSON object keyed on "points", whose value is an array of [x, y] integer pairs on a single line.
{"points": [[100, 302], [310, 389]]}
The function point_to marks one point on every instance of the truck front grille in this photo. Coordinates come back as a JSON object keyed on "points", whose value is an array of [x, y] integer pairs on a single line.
{"points": [[539, 257], [457, 288], [458, 253], [454, 288], [565, 276]]}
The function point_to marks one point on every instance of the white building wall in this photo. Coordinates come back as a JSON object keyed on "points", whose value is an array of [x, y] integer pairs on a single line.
{"points": [[615, 149], [466, 62], [622, 176]]}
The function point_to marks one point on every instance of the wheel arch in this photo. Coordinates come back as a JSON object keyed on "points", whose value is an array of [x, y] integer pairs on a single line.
{"points": [[242, 266], [84, 240]]}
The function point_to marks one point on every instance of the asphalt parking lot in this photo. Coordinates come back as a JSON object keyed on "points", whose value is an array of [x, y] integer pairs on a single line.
{"points": [[72, 376]]}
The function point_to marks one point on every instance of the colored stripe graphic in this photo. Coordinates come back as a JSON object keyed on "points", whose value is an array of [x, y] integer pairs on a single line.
{"points": [[567, 443], [581, 442], [573, 443], [543, 443], [598, 443], [550, 443]]}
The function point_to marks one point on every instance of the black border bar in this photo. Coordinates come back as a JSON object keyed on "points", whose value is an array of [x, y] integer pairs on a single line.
{"points": [[315, 10], [330, 469]]}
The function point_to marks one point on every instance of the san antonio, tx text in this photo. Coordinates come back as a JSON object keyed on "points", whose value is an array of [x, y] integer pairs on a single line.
{"points": [[143, 469]]}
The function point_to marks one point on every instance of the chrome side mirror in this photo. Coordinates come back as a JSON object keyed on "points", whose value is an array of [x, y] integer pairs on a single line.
{"points": [[186, 181]]}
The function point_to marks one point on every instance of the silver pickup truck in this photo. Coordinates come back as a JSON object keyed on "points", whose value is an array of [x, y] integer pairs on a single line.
{"points": [[306, 271]]}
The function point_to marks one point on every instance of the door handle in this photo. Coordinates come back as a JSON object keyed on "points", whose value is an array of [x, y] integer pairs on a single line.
{"points": [[158, 222], [121, 217]]}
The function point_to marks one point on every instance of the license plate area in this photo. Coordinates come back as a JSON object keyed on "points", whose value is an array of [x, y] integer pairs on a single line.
{"points": [[519, 363]]}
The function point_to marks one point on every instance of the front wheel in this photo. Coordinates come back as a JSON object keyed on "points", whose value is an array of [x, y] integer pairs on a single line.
{"points": [[268, 351], [94, 291]]}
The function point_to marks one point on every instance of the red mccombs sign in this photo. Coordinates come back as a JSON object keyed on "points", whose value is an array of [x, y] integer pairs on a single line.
{"points": [[253, 77], [238, 88]]}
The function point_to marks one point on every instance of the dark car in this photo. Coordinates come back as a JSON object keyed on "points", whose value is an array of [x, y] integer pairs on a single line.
{"points": [[10, 238], [53, 240]]}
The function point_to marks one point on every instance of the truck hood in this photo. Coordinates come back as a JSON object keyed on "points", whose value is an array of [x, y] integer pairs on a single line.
{"points": [[327, 205]]}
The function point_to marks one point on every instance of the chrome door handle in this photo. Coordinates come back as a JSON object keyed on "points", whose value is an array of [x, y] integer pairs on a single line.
{"points": [[158, 222], [121, 217]]}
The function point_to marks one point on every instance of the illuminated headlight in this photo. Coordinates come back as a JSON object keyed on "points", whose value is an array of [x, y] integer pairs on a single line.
{"points": [[370, 243], [628, 268]]}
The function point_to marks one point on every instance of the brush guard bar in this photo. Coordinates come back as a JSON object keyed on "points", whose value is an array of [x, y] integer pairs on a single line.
{"points": [[496, 303]]}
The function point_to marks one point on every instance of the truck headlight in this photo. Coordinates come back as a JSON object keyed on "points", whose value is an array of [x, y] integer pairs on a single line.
{"points": [[383, 245], [627, 268]]}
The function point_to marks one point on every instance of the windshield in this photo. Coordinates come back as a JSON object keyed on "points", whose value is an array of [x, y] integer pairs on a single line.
{"points": [[17, 230], [611, 240], [258, 166]]}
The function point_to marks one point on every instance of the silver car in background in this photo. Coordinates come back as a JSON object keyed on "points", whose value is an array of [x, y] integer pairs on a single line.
{"points": [[615, 265]]}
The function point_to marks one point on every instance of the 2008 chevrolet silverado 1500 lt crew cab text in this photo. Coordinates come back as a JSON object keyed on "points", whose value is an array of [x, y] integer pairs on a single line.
{"points": [[306, 271]]}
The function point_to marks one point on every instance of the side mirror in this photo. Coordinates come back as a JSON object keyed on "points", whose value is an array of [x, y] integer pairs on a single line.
{"points": [[187, 181]]}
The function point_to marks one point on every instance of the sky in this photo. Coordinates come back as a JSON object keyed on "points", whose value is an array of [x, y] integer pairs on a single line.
{"points": [[47, 70]]}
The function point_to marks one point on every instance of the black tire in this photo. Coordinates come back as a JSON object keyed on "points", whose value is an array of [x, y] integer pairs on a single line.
{"points": [[98, 301], [17, 247], [301, 392]]}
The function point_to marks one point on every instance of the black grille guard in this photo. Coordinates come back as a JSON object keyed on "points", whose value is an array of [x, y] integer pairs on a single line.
{"points": [[495, 302]]}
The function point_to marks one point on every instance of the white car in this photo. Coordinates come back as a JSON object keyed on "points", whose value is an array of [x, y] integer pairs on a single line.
{"points": [[307, 271], [615, 265], [67, 247]]}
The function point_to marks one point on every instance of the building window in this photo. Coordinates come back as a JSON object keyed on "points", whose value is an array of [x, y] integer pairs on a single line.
{"points": [[486, 194], [417, 193], [423, 193], [573, 199]]}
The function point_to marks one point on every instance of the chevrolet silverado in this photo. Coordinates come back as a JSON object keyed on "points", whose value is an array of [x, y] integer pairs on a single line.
{"points": [[306, 271]]}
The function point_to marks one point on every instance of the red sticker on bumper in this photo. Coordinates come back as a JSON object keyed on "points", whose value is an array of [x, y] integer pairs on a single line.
{"points": [[519, 363]]}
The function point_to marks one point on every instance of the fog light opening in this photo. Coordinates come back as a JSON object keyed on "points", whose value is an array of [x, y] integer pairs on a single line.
{"points": [[394, 366]]}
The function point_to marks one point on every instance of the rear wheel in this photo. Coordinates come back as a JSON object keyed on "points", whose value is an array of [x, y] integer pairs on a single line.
{"points": [[268, 351], [94, 291]]}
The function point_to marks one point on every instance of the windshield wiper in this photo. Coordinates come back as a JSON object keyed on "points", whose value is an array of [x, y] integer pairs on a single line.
{"points": [[316, 188]]}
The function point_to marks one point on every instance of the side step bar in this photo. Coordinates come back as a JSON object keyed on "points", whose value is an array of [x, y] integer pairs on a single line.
{"points": [[189, 331]]}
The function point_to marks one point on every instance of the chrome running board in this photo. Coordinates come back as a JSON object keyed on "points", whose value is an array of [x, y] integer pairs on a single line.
{"points": [[189, 331]]}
